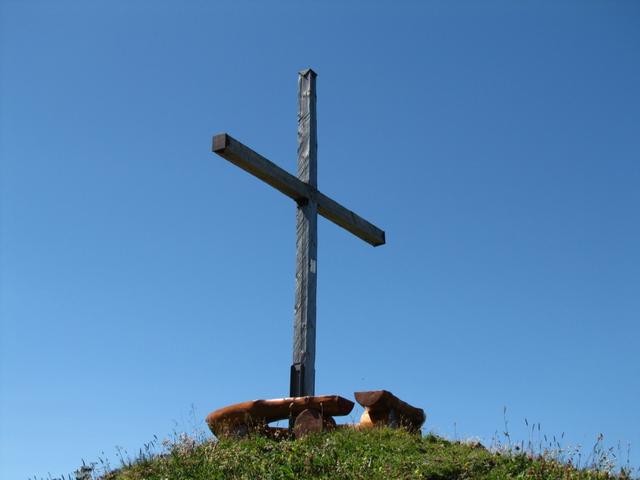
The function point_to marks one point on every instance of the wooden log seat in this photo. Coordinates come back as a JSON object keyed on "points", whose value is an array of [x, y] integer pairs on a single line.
{"points": [[254, 416], [383, 408], [312, 421]]}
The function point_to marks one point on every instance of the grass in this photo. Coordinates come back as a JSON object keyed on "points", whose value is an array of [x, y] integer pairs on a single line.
{"points": [[349, 454]]}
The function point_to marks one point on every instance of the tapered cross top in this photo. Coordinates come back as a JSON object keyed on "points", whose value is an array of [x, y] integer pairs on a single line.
{"points": [[310, 202]]}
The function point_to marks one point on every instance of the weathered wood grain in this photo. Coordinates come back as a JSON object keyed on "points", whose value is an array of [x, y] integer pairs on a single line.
{"points": [[239, 154], [345, 218], [304, 323]]}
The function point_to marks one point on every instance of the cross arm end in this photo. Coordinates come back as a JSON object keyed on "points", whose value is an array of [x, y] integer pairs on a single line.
{"points": [[220, 142], [350, 221]]}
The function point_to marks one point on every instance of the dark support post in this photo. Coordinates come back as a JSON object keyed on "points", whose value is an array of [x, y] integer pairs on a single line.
{"points": [[304, 325]]}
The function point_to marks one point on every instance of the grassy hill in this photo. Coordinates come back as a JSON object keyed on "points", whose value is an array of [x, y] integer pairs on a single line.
{"points": [[349, 454]]}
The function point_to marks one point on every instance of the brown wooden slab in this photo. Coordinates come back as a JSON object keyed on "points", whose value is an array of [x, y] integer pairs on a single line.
{"points": [[256, 414], [384, 408]]}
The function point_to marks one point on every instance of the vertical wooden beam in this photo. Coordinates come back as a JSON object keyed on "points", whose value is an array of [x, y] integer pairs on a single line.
{"points": [[304, 326]]}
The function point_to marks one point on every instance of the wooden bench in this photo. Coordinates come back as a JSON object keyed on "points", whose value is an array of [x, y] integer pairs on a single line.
{"points": [[310, 414], [383, 408], [313, 414]]}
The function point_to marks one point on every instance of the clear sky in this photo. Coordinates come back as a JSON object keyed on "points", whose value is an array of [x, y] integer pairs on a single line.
{"points": [[144, 278]]}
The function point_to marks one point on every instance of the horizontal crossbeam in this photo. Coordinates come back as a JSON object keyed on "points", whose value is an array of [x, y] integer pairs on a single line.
{"points": [[235, 152], [232, 150]]}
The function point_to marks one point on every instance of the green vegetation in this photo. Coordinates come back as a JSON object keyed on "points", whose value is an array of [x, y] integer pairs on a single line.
{"points": [[349, 454]]}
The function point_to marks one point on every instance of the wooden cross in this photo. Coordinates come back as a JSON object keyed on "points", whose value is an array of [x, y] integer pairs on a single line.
{"points": [[310, 202]]}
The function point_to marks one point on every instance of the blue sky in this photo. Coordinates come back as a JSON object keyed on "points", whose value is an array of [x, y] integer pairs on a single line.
{"points": [[144, 278]]}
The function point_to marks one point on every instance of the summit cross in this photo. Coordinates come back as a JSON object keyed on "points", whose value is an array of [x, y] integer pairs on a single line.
{"points": [[310, 202]]}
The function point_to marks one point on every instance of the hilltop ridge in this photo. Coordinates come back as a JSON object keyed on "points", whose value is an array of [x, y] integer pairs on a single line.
{"points": [[350, 454]]}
